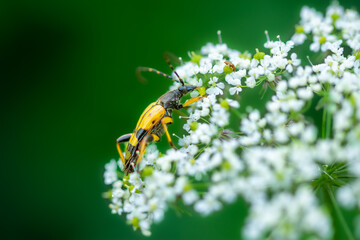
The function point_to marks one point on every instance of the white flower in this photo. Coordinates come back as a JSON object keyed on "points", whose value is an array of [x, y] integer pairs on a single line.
{"points": [[190, 197], [216, 87], [110, 173], [280, 62], [267, 66], [219, 67], [309, 135], [215, 56], [293, 62], [335, 47], [305, 93], [322, 43], [205, 65], [203, 133], [281, 49], [233, 103], [250, 82], [219, 116], [281, 135], [348, 195], [208, 205], [298, 38], [282, 221], [235, 80]]}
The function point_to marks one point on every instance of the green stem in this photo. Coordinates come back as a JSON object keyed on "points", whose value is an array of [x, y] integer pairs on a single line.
{"points": [[328, 124], [200, 151], [323, 125], [340, 216], [200, 185], [307, 106], [205, 120], [236, 113]]}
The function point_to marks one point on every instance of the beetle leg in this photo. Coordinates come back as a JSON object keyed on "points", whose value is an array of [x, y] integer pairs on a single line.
{"points": [[143, 144], [123, 138], [164, 122], [180, 113], [156, 138], [191, 101]]}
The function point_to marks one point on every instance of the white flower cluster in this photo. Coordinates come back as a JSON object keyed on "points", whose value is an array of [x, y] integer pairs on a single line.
{"points": [[288, 215], [307, 139], [325, 30]]}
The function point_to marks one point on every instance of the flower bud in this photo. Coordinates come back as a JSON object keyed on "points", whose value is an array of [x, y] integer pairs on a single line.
{"points": [[245, 55], [195, 58], [299, 29], [147, 171], [194, 126], [228, 69], [135, 222], [202, 91], [259, 55], [187, 187], [322, 40], [335, 17], [357, 55], [224, 104], [226, 165]]}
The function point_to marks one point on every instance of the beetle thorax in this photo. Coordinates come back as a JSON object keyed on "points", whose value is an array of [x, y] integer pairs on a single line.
{"points": [[170, 100]]}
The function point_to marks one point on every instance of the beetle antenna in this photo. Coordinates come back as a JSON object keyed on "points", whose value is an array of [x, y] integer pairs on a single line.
{"points": [[146, 69], [167, 59]]}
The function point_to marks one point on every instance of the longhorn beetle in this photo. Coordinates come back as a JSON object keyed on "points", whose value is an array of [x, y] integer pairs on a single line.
{"points": [[153, 121]]}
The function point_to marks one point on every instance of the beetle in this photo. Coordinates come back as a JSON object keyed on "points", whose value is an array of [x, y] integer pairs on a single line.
{"points": [[153, 121]]}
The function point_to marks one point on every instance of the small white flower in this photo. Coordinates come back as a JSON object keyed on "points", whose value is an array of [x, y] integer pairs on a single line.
{"points": [[215, 56], [220, 116], [208, 205], [205, 65], [190, 197], [235, 82], [280, 62], [216, 87], [305, 93], [110, 173], [233, 103], [298, 38], [293, 62], [219, 67], [250, 82]]}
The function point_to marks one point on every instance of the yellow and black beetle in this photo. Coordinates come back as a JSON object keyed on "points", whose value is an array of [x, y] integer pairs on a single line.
{"points": [[153, 122]]}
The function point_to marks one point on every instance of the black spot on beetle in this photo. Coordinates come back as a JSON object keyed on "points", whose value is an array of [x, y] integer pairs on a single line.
{"points": [[140, 134]]}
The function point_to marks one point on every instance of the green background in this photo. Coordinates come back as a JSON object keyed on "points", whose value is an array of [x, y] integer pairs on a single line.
{"points": [[68, 90]]}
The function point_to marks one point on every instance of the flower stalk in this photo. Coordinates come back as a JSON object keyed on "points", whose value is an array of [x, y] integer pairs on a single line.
{"points": [[339, 214]]}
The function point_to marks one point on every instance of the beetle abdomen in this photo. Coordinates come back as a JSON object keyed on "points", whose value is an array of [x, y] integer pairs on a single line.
{"points": [[149, 119]]}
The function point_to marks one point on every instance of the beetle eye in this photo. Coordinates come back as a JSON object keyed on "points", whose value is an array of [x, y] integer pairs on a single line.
{"points": [[182, 89]]}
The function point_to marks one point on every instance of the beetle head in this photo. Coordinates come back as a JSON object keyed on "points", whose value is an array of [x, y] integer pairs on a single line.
{"points": [[184, 89]]}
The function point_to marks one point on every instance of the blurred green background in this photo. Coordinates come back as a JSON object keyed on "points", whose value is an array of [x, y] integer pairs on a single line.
{"points": [[68, 90]]}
